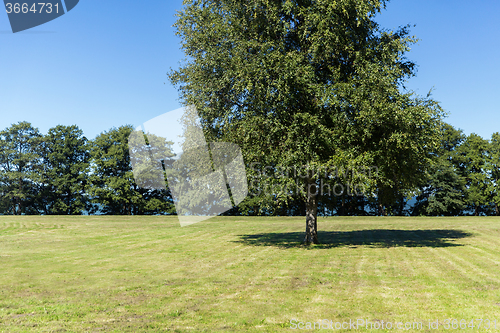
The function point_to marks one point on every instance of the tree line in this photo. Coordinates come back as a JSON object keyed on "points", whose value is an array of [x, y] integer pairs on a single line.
{"points": [[64, 173]]}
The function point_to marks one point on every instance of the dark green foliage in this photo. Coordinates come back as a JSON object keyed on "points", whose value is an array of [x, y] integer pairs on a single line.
{"points": [[112, 186], [19, 168], [443, 194], [473, 162], [65, 171], [444, 191]]}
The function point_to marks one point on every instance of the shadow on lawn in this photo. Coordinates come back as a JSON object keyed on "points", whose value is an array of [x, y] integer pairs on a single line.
{"points": [[371, 238]]}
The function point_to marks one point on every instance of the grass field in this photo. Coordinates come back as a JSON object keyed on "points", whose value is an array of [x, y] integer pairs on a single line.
{"points": [[138, 274]]}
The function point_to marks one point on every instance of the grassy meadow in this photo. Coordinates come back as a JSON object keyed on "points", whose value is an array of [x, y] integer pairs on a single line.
{"points": [[244, 274]]}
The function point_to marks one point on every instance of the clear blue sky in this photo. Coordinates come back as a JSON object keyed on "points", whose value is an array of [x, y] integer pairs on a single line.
{"points": [[104, 64]]}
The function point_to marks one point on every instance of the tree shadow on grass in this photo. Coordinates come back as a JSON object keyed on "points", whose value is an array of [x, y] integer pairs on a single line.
{"points": [[380, 238]]}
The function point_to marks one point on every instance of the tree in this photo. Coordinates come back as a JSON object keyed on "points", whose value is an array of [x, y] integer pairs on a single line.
{"points": [[443, 192], [309, 84], [19, 167], [65, 163], [112, 185], [473, 166]]}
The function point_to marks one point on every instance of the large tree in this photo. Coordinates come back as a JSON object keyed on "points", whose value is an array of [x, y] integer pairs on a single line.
{"points": [[308, 84]]}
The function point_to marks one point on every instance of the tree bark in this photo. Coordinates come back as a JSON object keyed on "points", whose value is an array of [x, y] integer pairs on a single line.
{"points": [[311, 213]]}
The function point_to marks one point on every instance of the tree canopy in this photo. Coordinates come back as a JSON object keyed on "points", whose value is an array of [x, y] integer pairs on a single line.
{"points": [[302, 82]]}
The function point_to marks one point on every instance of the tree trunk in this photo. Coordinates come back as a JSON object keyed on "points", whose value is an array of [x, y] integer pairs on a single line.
{"points": [[401, 205], [311, 213], [381, 210], [496, 209]]}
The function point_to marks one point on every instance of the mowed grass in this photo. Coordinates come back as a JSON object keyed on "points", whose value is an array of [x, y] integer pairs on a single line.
{"points": [[140, 274]]}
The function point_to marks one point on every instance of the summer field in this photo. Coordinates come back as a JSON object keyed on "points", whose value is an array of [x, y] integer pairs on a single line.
{"points": [[138, 274]]}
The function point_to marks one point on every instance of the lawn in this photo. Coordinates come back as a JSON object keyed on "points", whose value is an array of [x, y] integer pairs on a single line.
{"points": [[139, 274]]}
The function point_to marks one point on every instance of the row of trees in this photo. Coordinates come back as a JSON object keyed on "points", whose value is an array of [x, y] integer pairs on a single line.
{"points": [[464, 178], [63, 172]]}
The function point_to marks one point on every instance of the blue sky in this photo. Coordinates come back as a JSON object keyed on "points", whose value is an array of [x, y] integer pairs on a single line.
{"points": [[104, 64]]}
